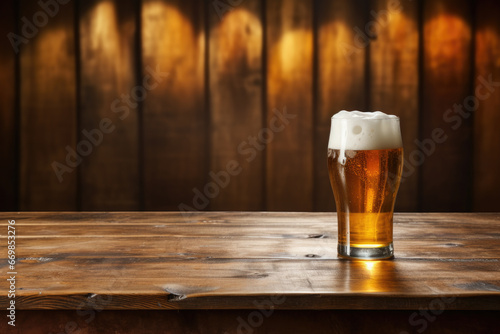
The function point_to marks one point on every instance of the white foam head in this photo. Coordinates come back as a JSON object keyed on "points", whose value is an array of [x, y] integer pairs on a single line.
{"points": [[356, 130]]}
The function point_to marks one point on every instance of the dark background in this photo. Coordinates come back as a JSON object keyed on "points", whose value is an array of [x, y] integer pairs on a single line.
{"points": [[230, 64]]}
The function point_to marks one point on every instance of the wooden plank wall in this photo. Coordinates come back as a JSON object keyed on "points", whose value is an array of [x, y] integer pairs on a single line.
{"points": [[175, 149], [394, 81], [341, 79], [48, 118], [107, 32], [289, 61], [8, 119], [487, 116], [235, 103], [446, 81], [226, 105]]}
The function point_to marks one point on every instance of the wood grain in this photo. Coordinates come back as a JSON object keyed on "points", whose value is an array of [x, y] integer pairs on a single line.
{"points": [[229, 260], [236, 103], [8, 120], [446, 169], [109, 174], [487, 116], [394, 82], [48, 111], [175, 120], [289, 58], [341, 81]]}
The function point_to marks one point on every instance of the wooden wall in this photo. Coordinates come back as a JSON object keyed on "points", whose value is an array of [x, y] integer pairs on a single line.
{"points": [[226, 105]]}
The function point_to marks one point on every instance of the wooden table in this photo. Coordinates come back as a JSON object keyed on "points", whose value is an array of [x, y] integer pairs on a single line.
{"points": [[242, 272]]}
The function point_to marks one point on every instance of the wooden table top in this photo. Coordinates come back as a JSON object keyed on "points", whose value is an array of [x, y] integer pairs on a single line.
{"points": [[240, 260]]}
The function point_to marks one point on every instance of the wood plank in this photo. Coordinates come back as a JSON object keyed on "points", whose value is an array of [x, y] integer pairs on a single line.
{"points": [[226, 260], [137, 283], [487, 116], [171, 249], [394, 82], [446, 168], [8, 121], [109, 174], [285, 238], [236, 89], [234, 217], [289, 58], [48, 120], [341, 81], [287, 230], [257, 321], [174, 121]]}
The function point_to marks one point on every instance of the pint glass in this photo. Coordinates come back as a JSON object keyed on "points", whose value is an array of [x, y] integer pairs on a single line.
{"points": [[365, 162]]}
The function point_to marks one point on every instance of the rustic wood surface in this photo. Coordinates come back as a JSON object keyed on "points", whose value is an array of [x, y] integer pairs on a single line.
{"points": [[217, 260]]}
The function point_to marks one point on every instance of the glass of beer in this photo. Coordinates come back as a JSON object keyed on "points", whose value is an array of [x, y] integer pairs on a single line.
{"points": [[365, 162]]}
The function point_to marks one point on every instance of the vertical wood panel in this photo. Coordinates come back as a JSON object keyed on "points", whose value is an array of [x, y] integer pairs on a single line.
{"points": [[289, 88], [487, 117], [394, 81], [48, 111], [8, 124], [235, 65], [175, 146], [109, 174], [447, 170], [341, 80]]}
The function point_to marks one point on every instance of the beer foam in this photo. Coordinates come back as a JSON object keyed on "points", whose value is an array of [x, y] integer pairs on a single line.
{"points": [[356, 130]]}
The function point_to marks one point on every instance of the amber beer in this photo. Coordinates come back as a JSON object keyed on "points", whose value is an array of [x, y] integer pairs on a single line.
{"points": [[365, 161]]}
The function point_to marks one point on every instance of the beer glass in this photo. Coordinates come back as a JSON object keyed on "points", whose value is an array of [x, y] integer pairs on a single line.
{"points": [[365, 162]]}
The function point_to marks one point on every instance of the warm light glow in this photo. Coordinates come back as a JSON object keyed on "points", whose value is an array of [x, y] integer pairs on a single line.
{"points": [[446, 41], [375, 275], [339, 61], [370, 265], [291, 54], [488, 44], [48, 48], [105, 53], [400, 26], [165, 23], [167, 34], [340, 38], [104, 36], [372, 275], [239, 37], [372, 281], [51, 40], [289, 64]]}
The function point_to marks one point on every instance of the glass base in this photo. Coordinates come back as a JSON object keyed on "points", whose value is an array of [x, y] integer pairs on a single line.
{"points": [[378, 253]]}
